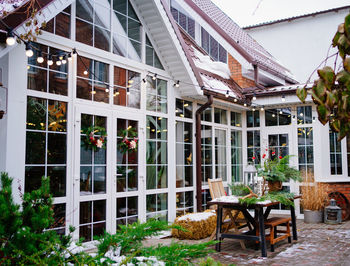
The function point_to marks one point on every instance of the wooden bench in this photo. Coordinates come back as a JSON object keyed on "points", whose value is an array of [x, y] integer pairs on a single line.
{"points": [[273, 236]]}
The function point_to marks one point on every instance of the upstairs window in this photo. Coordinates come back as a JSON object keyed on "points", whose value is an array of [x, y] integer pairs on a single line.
{"points": [[184, 21], [212, 47], [152, 58], [60, 25]]}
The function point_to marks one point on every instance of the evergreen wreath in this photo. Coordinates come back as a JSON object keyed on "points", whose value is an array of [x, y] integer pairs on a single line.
{"points": [[129, 141], [95, 138]]}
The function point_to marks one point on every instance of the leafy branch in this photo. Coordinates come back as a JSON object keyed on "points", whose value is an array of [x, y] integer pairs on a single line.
{"points": [[331, 92]]}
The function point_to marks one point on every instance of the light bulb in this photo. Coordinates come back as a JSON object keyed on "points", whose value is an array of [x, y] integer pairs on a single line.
{"points": [[227, 94], [70, 57], [283, 98], [50, 61], [40, 58], [10, 40], [235, 100], [64, 60], [131, 81], [29, 51], [85, 72], [58, 62]]}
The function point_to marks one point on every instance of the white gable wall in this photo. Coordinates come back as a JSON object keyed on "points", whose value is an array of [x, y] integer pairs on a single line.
{"points": [[301, 44]]}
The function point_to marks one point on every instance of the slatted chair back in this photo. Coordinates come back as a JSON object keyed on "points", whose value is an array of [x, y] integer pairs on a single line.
{"points": [[216, 188]]}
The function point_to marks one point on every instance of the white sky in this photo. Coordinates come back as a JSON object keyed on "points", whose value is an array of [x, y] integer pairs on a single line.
{"points": [[250, 12]]}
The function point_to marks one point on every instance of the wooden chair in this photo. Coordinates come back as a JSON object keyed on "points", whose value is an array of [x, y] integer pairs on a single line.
{"points": [[217, 190], [272, 224]]}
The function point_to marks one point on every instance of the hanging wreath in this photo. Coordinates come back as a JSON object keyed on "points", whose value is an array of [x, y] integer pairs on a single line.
{"points": [[95, 138], [129, 142]]}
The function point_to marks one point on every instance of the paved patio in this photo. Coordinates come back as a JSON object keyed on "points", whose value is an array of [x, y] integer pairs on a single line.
{"points": [[318, 244]]}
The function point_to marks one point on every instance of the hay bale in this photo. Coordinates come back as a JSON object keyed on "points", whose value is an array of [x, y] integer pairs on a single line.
{"points": [[198, 225]]}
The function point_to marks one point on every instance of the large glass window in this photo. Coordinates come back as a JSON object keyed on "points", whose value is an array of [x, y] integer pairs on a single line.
{"points": [[92, 219], [184, 154], [92, 80], [60, 25], [207, 156], [156, 152], [253, 118], [156, 95], [206, 114], [278, 145], [92, 163], [304, 114], [253, 146], [126, 30], [212, 47], [278, 117], [220, 154], [306, 153], [220, 116], [152, 58], [183, 108], [126, 87], [46, 144], [335, 154], [236, 119], [205, 198], [184, 21], [236, 156], [45, 78], [93, 23]]}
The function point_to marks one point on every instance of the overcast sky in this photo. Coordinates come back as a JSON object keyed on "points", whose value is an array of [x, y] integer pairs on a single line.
{"points": [[250, 12]]}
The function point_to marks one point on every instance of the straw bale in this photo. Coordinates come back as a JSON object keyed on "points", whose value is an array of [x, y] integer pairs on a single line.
{"points": [[197, 225]]}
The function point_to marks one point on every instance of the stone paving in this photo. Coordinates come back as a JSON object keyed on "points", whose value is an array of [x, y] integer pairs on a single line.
{"points": [[318, 244]]}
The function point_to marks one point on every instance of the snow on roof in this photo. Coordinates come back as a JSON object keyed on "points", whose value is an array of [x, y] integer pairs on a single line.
{"points": [[227, 27], [9, 6], [218, 86], [204, 62]]}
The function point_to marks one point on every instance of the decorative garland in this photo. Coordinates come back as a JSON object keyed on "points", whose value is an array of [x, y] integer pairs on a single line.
{"points": [[129, 142], [94, 142]]}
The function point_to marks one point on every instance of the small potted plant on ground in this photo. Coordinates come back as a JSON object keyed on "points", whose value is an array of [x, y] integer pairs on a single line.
{"points": [[314, 199], [277, 170]]}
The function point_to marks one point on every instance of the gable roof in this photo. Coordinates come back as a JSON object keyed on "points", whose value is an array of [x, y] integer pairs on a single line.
{"points": [[251, 50], [296, 17]]}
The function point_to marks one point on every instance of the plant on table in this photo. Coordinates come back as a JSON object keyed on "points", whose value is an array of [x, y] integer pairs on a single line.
{"points": [[277, 170]]}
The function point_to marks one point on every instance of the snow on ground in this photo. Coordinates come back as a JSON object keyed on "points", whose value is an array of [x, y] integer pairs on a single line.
{"points": [[9, 5]]}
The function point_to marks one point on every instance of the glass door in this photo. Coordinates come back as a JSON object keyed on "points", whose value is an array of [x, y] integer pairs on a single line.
{"points": [[92, 173]]}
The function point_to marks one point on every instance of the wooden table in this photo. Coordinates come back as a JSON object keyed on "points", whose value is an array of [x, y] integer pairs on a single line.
{"points": [[256, 221]]}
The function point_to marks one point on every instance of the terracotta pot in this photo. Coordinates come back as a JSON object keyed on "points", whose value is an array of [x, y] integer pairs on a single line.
{"points": [[274, 185]]}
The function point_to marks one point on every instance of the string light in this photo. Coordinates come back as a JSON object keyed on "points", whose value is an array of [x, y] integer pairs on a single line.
{"points": [[154, 77], [106, 90], [313, 119], [49, 60], [130, 81], [64, 60], [29, 51], [245, 104], [262, 108], [70, 57], [293, 117], [144, 80], [85, 72], [40, 58], [253, 109], [254, 97], [281, 112], [227, 94], [74, 52], [127, 91], [235, 100], [58, 62], [10, 40], [177, 84], [283, 98]]}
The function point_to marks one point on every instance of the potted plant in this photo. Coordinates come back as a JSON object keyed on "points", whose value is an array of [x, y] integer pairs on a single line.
{"points": [[277, 170], [313, 200]]}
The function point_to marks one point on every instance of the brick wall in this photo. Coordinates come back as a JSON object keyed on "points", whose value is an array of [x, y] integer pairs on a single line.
{"points": [[343, 188], [236, 73]]}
